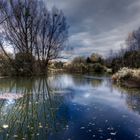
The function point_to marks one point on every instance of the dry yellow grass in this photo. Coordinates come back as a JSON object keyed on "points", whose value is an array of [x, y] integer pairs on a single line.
{"points": [[130, 76]]}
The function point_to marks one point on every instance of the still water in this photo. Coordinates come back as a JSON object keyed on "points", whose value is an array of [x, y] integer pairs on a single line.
{"points": [[68, 107]]}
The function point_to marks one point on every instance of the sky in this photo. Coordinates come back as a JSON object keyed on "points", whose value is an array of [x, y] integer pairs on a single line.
{"points": [[98, 26]]}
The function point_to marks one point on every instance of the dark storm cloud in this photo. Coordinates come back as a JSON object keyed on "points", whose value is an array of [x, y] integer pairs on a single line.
{"points": [[99, 25]]}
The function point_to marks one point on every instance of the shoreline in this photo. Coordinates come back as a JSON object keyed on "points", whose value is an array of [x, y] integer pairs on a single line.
{"points": [[127, 77]]}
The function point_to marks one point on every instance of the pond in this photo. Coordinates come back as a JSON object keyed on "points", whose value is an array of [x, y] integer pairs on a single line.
{"points": [[68, 107]]}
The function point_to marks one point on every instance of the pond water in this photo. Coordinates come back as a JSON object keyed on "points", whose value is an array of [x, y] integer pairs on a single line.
{"points": [[68, 107]]}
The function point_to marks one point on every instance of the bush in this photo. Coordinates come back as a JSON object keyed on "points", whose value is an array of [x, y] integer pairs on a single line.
{"points": [[125, 74], [6, 69], [98, 68], [24, 64]]}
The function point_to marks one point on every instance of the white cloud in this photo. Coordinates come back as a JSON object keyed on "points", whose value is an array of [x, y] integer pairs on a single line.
{"points": [[98, 26]]}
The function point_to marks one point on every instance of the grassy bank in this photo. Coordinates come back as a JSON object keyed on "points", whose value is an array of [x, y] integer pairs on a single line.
{"points": [[127, 77]]}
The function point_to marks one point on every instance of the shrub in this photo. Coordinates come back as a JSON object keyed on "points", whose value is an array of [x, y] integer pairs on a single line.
{"points": [[126, 74], [98, 68], [24, 64]]}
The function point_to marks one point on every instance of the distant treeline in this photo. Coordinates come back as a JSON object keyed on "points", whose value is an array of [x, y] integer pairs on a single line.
{"points": [[126, 57], [80, 64]]}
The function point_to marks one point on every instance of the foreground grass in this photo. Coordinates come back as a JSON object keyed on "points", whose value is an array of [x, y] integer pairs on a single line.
{"points": [[127, 77]]}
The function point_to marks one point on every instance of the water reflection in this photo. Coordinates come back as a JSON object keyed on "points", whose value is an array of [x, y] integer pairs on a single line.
{"points": [[67, 107], [132, 98], [33, 116]]}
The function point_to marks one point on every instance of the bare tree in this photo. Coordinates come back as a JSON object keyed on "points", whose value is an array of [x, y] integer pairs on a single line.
{"points": [[33, 32], [20, 28], [133, 40], [2, 5], [52, 36]]}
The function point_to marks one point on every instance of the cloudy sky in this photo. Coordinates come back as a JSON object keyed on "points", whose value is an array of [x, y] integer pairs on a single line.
{"points": [[98, 25]]}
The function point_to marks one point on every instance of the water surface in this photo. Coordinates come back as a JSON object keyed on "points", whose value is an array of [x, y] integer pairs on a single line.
{"points": [[68, 107]]}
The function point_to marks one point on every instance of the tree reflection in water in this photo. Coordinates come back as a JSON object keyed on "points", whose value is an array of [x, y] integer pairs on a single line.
{"points": [[132, 98], [35, 115]]}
